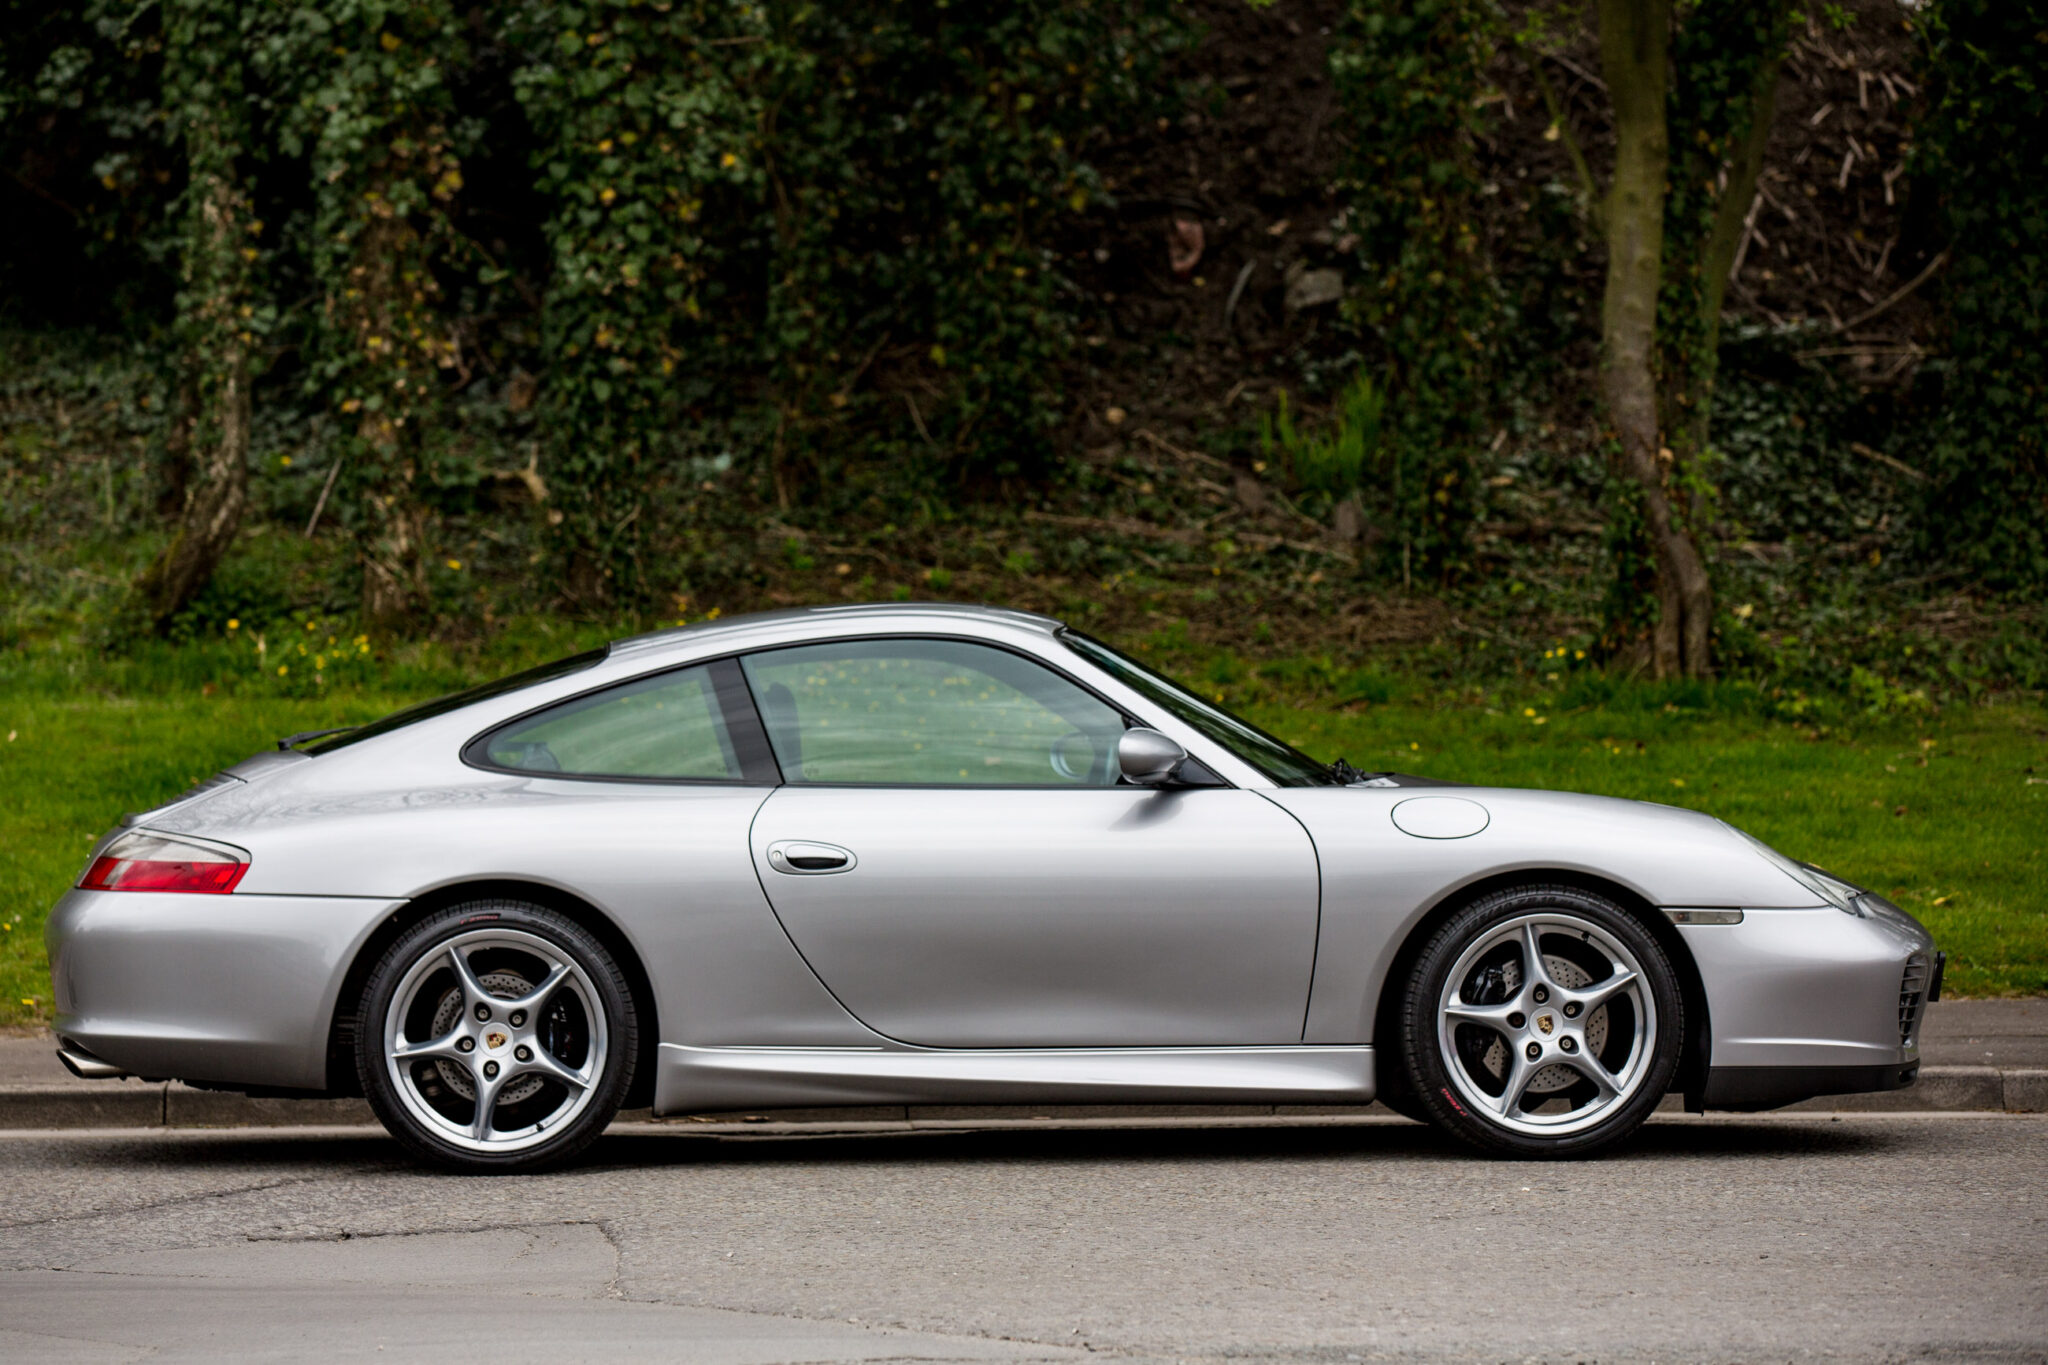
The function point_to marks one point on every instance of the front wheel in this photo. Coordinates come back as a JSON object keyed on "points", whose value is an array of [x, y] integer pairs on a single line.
{"points": [[496, 1036], [1542, 1021]]}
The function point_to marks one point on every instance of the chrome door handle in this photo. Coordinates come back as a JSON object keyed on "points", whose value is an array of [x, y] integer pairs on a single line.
{"points": [[802, 857]]}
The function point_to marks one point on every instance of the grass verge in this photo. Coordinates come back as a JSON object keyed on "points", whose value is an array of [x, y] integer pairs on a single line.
{"points": [[1945, 813]]}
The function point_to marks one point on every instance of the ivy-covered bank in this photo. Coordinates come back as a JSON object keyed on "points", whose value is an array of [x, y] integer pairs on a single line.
{"points": [[1982, 144], [656, 244], [1692, 335]]}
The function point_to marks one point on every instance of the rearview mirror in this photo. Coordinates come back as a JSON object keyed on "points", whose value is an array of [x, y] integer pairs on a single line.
{"points": [[1148, 758]]}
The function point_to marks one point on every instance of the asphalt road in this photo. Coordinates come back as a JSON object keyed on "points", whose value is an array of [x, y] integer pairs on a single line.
{"points": [[1859, 1238]]}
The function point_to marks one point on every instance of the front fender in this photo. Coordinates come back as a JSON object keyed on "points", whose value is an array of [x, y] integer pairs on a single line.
{"points": [[1380, 883]]}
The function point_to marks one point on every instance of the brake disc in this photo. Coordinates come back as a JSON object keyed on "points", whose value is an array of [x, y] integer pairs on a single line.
{"points": [[1556, 1076], [454, 1075]]}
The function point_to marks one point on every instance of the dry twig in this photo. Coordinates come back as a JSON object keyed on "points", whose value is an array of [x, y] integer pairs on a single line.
{"points": [[1940, 260]]}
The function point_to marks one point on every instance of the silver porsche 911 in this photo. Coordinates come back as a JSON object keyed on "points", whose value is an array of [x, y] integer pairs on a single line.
{"points": [[936, 854]]}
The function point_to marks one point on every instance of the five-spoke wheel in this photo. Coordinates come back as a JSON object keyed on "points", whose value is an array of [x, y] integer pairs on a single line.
{"points": [[496, 1036], [1542, 1021]]}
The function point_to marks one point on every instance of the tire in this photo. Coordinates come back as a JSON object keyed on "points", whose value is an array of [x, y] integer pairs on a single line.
{"points": [[505, 997], [1605, 1019]]}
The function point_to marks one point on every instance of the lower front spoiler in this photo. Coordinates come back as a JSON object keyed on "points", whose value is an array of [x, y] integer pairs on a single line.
{"points": [[1747, 1089]]}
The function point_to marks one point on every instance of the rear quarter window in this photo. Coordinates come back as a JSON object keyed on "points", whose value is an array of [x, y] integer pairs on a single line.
{"points": [[669, 726]]}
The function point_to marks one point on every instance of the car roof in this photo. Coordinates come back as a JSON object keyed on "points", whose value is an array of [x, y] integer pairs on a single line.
{"points": [[912, 616]]}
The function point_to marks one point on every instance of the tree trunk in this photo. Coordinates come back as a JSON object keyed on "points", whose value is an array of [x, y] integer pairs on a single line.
{"points": [[1635, 38], [385, 296], [1744, 167], [393, 547], [216, 347]]}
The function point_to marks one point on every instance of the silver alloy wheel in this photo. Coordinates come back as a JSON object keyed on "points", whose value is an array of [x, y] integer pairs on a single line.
{"points": [[1550, 1038], [507, 1040]]}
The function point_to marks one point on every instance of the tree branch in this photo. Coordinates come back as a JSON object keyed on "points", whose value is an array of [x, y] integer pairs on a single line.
{"points": [[1587, 190], [1733, 214], [1940, 260], [37, 190]]}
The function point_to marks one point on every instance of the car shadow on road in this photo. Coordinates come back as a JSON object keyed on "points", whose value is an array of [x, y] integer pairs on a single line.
{"points": [[1395, 1141], [290, 1154]]}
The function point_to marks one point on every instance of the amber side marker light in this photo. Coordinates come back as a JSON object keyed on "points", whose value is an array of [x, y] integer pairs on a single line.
{"points": [[144, 861]]}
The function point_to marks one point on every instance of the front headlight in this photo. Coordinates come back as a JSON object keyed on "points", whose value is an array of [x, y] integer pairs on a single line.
{"points": [[1829, 888]]}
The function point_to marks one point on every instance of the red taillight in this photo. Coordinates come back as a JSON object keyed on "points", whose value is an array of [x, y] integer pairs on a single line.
{"points": [[138, 874], [144, 861]]}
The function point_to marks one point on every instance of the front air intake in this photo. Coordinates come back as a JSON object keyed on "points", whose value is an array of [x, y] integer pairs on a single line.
{"points": [[1912, 996]]}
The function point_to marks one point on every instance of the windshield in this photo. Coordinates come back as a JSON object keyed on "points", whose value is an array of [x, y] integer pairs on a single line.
{"points": [[1285, 764], [441, 706]]}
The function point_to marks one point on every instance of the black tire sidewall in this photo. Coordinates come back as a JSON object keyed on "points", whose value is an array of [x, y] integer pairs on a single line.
{"points": [[564, 935], [1421, 1053]]}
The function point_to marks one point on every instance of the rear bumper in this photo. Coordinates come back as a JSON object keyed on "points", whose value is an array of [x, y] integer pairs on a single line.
{"points": [[237, 990]]}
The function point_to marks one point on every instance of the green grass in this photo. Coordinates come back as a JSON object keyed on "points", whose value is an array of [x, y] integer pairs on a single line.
{"points": [[1945, 813]]}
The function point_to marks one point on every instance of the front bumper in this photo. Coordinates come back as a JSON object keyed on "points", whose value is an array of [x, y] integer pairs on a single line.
{"points": [[233, 990], [1804, 1003]]}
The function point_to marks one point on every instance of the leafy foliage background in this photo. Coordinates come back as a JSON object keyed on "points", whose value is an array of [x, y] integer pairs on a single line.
{"points": [[635, 309]]}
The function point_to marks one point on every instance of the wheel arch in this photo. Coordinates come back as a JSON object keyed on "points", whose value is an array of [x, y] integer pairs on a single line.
{"points": [[1693, 1061], [341, 1030]]}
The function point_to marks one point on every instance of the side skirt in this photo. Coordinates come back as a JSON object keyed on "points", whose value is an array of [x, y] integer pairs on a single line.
{"points": [[700, 1079]]}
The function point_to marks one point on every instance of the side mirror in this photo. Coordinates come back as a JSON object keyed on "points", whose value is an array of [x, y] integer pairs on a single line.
{"points": [[1148, 758]]}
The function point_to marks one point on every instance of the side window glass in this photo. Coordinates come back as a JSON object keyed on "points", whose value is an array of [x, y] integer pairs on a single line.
{"points": [[665, 726], [937, 712]]}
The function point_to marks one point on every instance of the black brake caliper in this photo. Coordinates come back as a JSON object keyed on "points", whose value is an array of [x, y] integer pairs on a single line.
{"points": [[1487, 986], [561, 1036]]}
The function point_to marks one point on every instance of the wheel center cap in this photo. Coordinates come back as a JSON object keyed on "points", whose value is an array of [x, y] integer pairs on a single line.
{"points": [[495, 1039], [1545, 1024]]}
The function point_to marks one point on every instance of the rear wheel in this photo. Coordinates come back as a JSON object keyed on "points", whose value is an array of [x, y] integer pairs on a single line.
{"points": [[1542, 1021], [496, 1036]]}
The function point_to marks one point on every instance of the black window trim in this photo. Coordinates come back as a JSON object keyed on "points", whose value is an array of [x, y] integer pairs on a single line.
{"points": [[749, 733], [1216, 779], [736, 712]]}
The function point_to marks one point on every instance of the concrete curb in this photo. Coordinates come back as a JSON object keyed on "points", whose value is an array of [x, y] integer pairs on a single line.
{"points": [[169, 1104]]}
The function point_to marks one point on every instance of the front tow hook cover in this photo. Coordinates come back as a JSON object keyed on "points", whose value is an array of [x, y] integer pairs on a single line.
{"points": [[1440, 817]]}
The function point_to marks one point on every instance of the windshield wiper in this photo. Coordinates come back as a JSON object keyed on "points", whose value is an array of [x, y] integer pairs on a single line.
{"points": [[1343, 772], [290, 741], [1345, 775]]}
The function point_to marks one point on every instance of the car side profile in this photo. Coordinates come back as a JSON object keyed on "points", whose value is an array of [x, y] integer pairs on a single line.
{"points": [[923, 853]]}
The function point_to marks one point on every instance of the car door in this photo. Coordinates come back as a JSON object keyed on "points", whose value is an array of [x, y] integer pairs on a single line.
{"points": [[954, 856]]}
